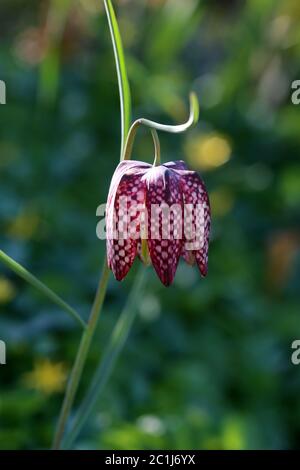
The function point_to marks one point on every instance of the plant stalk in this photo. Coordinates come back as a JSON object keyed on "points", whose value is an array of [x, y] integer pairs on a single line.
{"points": [[110, 355], [81, 357], [173, 129], [127, 141], [125, 105]]}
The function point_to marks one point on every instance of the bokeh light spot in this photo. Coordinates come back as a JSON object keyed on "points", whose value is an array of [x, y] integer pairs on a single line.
{"points": [[7, 290], [208, 152]]}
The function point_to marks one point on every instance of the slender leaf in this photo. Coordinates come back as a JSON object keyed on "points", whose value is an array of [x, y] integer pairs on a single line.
{"points": [[42, 288], [124, 90]]}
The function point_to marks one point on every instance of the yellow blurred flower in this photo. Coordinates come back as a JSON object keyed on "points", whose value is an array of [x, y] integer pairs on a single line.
{"points": [[207, 152], [7, 290], [46, 377], [221, 201], [24, 225]]}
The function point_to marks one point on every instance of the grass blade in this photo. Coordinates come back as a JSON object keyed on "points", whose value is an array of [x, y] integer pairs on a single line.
{"points": [[42, 288], [124, 90]]}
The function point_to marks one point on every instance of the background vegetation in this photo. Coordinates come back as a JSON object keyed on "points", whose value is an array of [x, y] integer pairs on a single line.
{"points": [[208, 362]]}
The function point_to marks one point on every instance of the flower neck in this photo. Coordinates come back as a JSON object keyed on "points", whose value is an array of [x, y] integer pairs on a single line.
{"points": [[157, 147]]}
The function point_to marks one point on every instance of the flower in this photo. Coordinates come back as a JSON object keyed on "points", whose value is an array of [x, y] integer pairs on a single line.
{"points": [[47, 377], [158, 213]]}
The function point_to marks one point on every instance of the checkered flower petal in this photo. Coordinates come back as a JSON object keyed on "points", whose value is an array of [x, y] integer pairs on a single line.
{"points": [[125, 201], [196, 219], [164, 206], [158, 213]]}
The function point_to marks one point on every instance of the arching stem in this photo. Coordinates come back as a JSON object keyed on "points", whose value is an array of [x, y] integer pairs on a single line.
{"points": [[193, 118]]}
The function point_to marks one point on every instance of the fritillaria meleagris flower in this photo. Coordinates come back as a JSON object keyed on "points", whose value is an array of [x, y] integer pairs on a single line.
{"points": [[158, 213]]}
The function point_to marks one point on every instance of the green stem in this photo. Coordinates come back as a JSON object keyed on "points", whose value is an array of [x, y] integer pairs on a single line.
{"points": [[110, 356], [126, 150], [125, 104], [81, 357], [42, 288], [193, 118], [157, 147], [124, 89]]}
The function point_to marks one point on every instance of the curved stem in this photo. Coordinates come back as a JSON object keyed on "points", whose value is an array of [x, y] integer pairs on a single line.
{"points": [[192, 120]]}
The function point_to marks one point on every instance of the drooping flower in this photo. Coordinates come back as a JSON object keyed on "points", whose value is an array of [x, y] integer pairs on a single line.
{"points": [[158, 213]]}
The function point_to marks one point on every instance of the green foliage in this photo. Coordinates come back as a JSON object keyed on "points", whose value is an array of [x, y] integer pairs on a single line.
{"points": [[207, 364]]}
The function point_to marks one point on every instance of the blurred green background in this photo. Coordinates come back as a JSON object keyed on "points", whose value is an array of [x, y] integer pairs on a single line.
{"points": [[207, 364]]}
